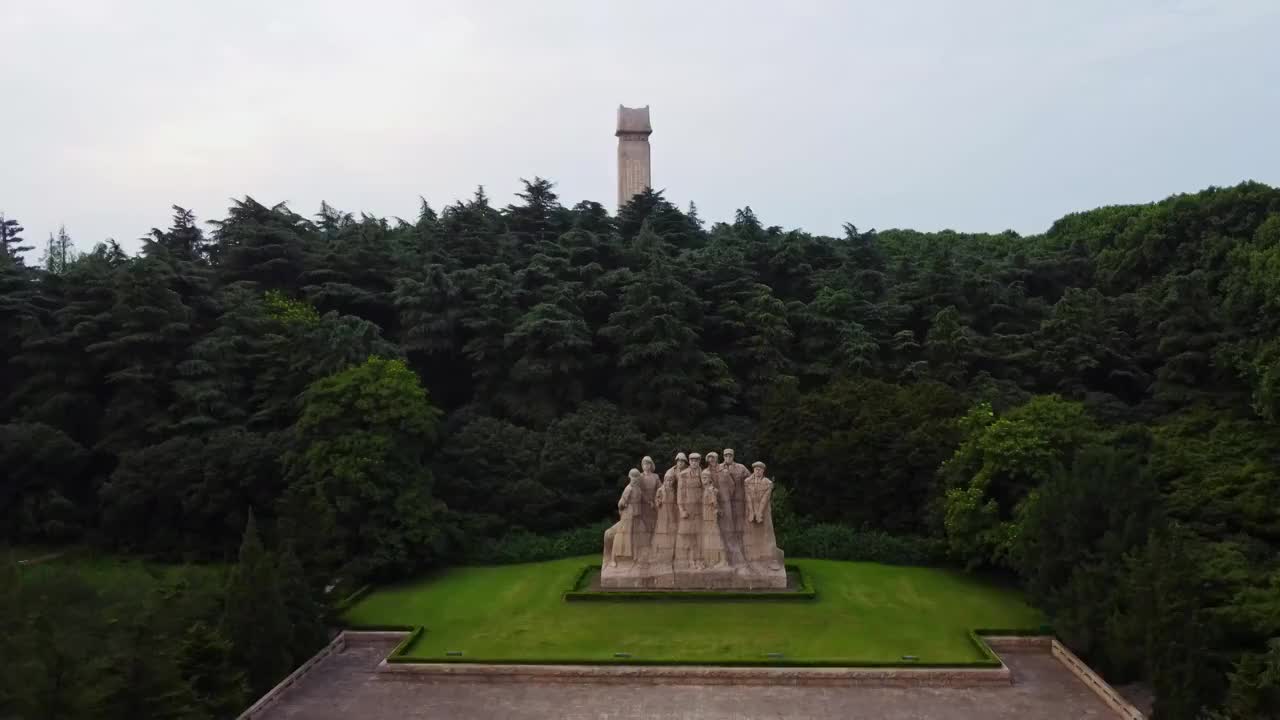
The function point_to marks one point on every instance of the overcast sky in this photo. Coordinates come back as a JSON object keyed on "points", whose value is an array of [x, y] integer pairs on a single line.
{"points": [[968, 115]]}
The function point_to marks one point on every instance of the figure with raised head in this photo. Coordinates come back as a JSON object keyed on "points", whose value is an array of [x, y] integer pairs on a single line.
{"points": [[619, 543], [712, 545], [689, 501], [759, 542]]}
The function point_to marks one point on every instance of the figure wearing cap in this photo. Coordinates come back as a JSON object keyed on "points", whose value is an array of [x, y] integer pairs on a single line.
{"points": [[733, 505], [689, 499], [758, 539]]}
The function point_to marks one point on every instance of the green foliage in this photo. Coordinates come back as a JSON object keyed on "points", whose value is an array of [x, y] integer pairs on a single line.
{"points": [[103, 638], [206, 660], [361, 439], [826, 541], [522, 546], [861, 452], [146, 403], [256, 619], [289, 311], [46, 496], [999, 462]]}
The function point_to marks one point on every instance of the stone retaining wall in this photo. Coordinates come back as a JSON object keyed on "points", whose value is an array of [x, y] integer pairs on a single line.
{"points": [[703, 675], [1015, 643], [1091, 679], [335, 645]]}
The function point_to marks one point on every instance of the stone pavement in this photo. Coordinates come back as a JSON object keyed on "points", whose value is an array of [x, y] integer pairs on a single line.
{"points": [[348, 685]]}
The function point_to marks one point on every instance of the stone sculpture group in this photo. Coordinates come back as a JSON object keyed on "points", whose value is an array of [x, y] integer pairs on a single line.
{"points": [[696, 527]]}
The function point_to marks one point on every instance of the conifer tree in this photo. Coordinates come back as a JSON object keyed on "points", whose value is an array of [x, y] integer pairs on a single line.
{"points": [[59, 252], [255, 618], [11, 239], [205, 660], [302, 604]]}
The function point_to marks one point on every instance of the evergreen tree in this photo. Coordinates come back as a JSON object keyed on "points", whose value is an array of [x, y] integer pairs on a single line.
{"points": [[206, 662], [141, 678], [256, 620], [11, 239], [665, 372], [59, 252], [302, 605], [260, 245]]}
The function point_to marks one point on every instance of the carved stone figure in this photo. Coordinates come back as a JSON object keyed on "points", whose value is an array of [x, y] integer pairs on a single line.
{"points": [[663, 548], [759, 542], [733, 502], [689, 499], [619, 541], [712, 545], [682, 532], [647, 519]]}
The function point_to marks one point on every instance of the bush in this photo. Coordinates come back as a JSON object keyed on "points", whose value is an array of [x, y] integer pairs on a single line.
{"points": [[827, 541], [522, 546]]}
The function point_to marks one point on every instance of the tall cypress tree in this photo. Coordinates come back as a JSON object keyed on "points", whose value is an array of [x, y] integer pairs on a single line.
{"points": [[255, 618]]}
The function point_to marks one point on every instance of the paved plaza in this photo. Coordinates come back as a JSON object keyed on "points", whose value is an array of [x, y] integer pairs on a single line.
{"points": [[347, 685]]}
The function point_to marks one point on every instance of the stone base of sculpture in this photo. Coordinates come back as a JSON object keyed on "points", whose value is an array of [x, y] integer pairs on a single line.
{"points": [[698, 528], [647, 576]]}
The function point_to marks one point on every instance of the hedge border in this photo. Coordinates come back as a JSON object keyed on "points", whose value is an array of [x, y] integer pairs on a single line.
{"points": [[990, 660], [804, 591], [399, 654]]}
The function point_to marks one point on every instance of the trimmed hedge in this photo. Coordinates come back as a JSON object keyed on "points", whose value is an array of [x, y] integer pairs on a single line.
{"points": [[827, 541], [990, 659], [522, 546], [578, 593]]}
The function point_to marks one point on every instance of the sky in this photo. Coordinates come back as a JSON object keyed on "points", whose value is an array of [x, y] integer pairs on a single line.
{"points": [[972, 116]]}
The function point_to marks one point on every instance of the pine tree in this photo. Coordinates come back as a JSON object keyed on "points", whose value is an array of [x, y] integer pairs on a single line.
{"points": [[142, 680], [11, 239], [255, 618], [261, 245], [205, 661], [540, 219], [59, 252], [664, 370], [302, 604]]}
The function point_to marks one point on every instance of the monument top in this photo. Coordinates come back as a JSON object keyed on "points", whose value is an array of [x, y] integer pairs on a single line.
{"points": [[633, 121]]}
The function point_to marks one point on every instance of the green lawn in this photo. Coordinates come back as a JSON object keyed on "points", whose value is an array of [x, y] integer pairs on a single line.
{"points": [[865, 612]]}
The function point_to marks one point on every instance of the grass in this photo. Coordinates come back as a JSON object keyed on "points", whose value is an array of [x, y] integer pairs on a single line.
{"points": [[864, 613], [114, 574]]}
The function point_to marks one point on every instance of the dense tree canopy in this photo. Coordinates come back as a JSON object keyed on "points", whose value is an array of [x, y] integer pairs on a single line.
{"points": [[1091, 410]]}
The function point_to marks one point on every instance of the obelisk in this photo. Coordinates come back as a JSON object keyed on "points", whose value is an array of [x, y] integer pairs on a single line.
{"points": [[633, 152]]}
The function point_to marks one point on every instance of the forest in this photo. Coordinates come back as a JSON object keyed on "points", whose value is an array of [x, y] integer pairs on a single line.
{"points": [[1090, 412]]}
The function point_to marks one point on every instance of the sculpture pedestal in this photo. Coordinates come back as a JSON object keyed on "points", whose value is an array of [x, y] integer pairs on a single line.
{"points": [[666, 576]]}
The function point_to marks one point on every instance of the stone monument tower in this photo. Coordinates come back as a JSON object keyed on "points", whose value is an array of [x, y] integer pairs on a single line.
{"points": [[633, 152]]}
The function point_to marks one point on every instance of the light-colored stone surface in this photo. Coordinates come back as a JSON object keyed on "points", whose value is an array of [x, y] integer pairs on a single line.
{"points": [[633, 152], [704, 527], [347, 684]]}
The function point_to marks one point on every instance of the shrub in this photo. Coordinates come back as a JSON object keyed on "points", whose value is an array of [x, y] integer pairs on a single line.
{"points": [[521, 546], [827, 541]]}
